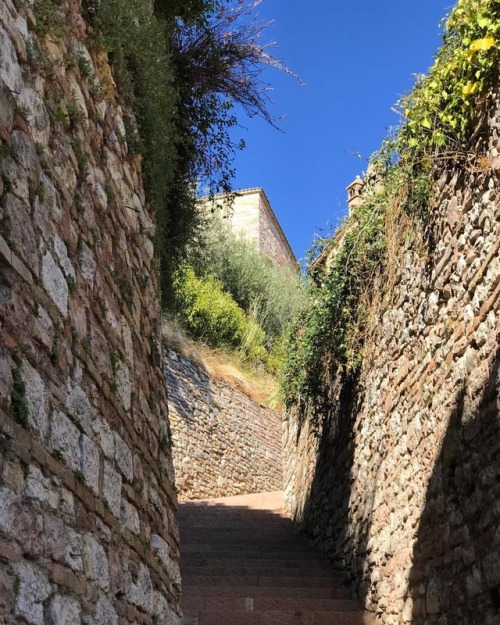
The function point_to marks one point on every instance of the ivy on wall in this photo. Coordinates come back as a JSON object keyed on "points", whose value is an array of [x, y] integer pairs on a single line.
{"points": [[443, 123]]}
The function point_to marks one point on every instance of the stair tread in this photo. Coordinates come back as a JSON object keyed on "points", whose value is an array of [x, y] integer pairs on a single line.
{"points": [[244, 563], [292, 617]]}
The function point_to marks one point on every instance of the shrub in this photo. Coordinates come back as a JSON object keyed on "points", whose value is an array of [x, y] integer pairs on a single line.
{"points": [[270, 294], [211, 314]]}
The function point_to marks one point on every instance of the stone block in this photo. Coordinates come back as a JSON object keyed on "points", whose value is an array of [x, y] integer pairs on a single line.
{"points": [[6, 593], [124, 385], [87, 264], [33, 589], [138, 587], [64, 610], [10, 70], [79, 407], [491, 569], [73, 550], [6, 108], [65, 439], [55, 283], [6, 380], [62, 254], [27, 158], [21, 232], [124, 458], [37, 400], [95, 562], [54, 534], [37, 115], [130, 517], [112, 489], [105, 436], [90, 463], [105, 613]]}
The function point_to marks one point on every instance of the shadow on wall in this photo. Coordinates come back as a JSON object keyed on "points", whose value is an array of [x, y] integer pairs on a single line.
{"points": [[182, 376], [455, 574], [327, 513], [457, 553]]}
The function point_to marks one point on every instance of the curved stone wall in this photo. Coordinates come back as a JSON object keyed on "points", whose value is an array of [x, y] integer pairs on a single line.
{"points": [[87, 503]]}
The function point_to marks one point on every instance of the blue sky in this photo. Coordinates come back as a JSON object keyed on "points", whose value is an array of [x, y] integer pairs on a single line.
{"points": [[357, 57]]}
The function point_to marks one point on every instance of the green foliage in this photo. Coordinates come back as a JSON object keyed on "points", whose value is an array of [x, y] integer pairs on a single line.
{"points": [[328, 335], [137, 43], [211, 314], [19, 405], [442, 108], [48, 17], [80, 477], [271, 294], [444, 117]]}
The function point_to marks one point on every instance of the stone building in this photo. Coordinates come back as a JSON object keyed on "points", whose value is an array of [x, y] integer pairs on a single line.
{"points": [[253, 219]]}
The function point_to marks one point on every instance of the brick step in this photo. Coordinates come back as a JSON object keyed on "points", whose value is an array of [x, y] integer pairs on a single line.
{"points": [[196, 560], [284, 544], [250, 555], [194, 606], [222, 533], [279, 618], [245, 580], [218, 522], [247, 565], [246, 548], [276, 592], [265, 571]]}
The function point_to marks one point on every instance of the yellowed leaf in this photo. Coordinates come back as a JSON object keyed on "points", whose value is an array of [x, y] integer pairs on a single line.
{"points": [[482, 44]]}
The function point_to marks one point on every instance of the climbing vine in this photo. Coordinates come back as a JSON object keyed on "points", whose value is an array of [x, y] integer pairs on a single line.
{"points": [[442, 124], [441, 110]]}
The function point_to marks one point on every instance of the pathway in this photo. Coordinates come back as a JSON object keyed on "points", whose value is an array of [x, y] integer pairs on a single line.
{"points": [[244, 563]]}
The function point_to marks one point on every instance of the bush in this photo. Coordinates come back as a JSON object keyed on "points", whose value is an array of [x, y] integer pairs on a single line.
{"points": [[211, 314], [271, 295]]}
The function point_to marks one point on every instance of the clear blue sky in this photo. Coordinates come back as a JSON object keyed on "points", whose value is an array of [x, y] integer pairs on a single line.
{"points": [[357, 57]]}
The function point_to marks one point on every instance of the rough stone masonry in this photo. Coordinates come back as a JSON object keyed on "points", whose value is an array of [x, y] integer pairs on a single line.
{"points": [[87, 501], [400, 485], [224, 443]]}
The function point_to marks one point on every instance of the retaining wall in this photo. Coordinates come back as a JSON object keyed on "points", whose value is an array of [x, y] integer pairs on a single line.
{"points": [[400, 484], [87, 504], [223, 442]]}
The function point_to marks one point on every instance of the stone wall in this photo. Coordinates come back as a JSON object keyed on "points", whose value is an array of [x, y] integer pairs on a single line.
{"points": [[223, 442], [87, 503], [252, 218], [400, 485], [272, 240]]}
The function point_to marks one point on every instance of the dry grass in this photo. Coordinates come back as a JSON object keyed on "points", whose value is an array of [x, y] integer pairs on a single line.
{"points": [[259, 386]]}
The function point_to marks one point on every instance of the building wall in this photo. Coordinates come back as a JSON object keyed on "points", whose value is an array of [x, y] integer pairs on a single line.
{"points": [[272, 241], [245, 217], [252, 218], [399, 486], [87, 502], [223, 442]]}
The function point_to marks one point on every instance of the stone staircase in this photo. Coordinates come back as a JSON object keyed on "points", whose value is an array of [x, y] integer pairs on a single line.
{"points": [[243, 563]]}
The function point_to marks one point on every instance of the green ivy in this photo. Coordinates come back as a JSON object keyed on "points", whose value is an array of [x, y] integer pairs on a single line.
{"points": [[443, 124], [441, 110]]}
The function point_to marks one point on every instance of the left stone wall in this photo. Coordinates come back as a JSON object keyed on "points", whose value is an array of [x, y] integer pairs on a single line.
{"points": [[87, 500]]}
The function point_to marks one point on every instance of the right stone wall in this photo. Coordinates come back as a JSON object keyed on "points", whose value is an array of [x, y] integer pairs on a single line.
{"points": [[400, 485]]}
